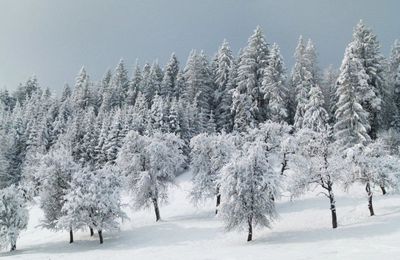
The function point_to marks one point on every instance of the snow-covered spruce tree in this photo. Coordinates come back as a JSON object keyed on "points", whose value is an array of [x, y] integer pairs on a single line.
{"points": [[222, 96], [352, 123], [158, 115], [367, 50], [151, 82], [119, 85], [301, 81], [13, 216], [315, 115], [174, 120], [273, 85], [394, 59], [150, 164], [395, 93], [198, 81], [16, 141], [328, 87], [248, 103], [94, 200], [5, 145], [169, 81], [134, 85], [248, 189], [372, 165], [314, 161], [81, 96], [140, 116], [54, 175], [115, 137], [89, 138], [25, 91], [209, 153]]}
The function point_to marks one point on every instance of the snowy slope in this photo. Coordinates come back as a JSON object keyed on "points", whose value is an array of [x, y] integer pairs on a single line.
{"points": [[302, 232]]}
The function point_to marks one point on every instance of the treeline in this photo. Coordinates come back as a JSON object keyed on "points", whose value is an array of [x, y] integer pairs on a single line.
{"points": [[233, 121]]}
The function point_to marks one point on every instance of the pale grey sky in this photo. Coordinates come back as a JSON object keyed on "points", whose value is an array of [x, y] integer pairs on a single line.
{"points": [[54, 38]]}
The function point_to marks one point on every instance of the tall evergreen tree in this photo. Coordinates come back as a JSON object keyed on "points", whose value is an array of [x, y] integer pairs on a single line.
{"points": [[352, 123], [273, 85], [249, 104], [315, 116], [367, 50], [222, 96], [303, 77], [169, 81]]}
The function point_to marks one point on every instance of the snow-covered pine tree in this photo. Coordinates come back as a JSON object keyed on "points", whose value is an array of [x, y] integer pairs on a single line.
{"points": [[115, 138], [328, 87], [310, 54], [104, 85], [5, 145], [211, 124], [315, 115], [169, 81], [303, 78], [158, 115], [140, 117], [394, 59], [198, 81], [150, 83], [26, 90], [100, 155], [352, 123], [89, 139], [248, 101], [249, 188], [222, 97], [119, 85], [367, 50], [273, 86], [81, 96], [150, 164], [174, 118], [394, 85], [134, 86], [13, 216]]}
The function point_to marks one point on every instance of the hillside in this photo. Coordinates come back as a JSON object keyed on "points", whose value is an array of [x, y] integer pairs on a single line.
{"points": [[185, 232]]}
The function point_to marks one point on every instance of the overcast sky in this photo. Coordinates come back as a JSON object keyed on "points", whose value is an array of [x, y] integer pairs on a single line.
{"points": [[54, 38]]}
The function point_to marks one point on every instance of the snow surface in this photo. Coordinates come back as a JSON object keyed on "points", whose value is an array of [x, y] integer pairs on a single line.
{"points": [[303, 231]]}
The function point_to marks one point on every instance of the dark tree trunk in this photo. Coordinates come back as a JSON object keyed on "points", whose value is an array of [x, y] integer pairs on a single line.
{"points": [[383, 190], [91, 231], [369, 192], [250, 223], [13, 247], [71, 236], [100, 236], [333, 208], [218, 201], [156, 209]]}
